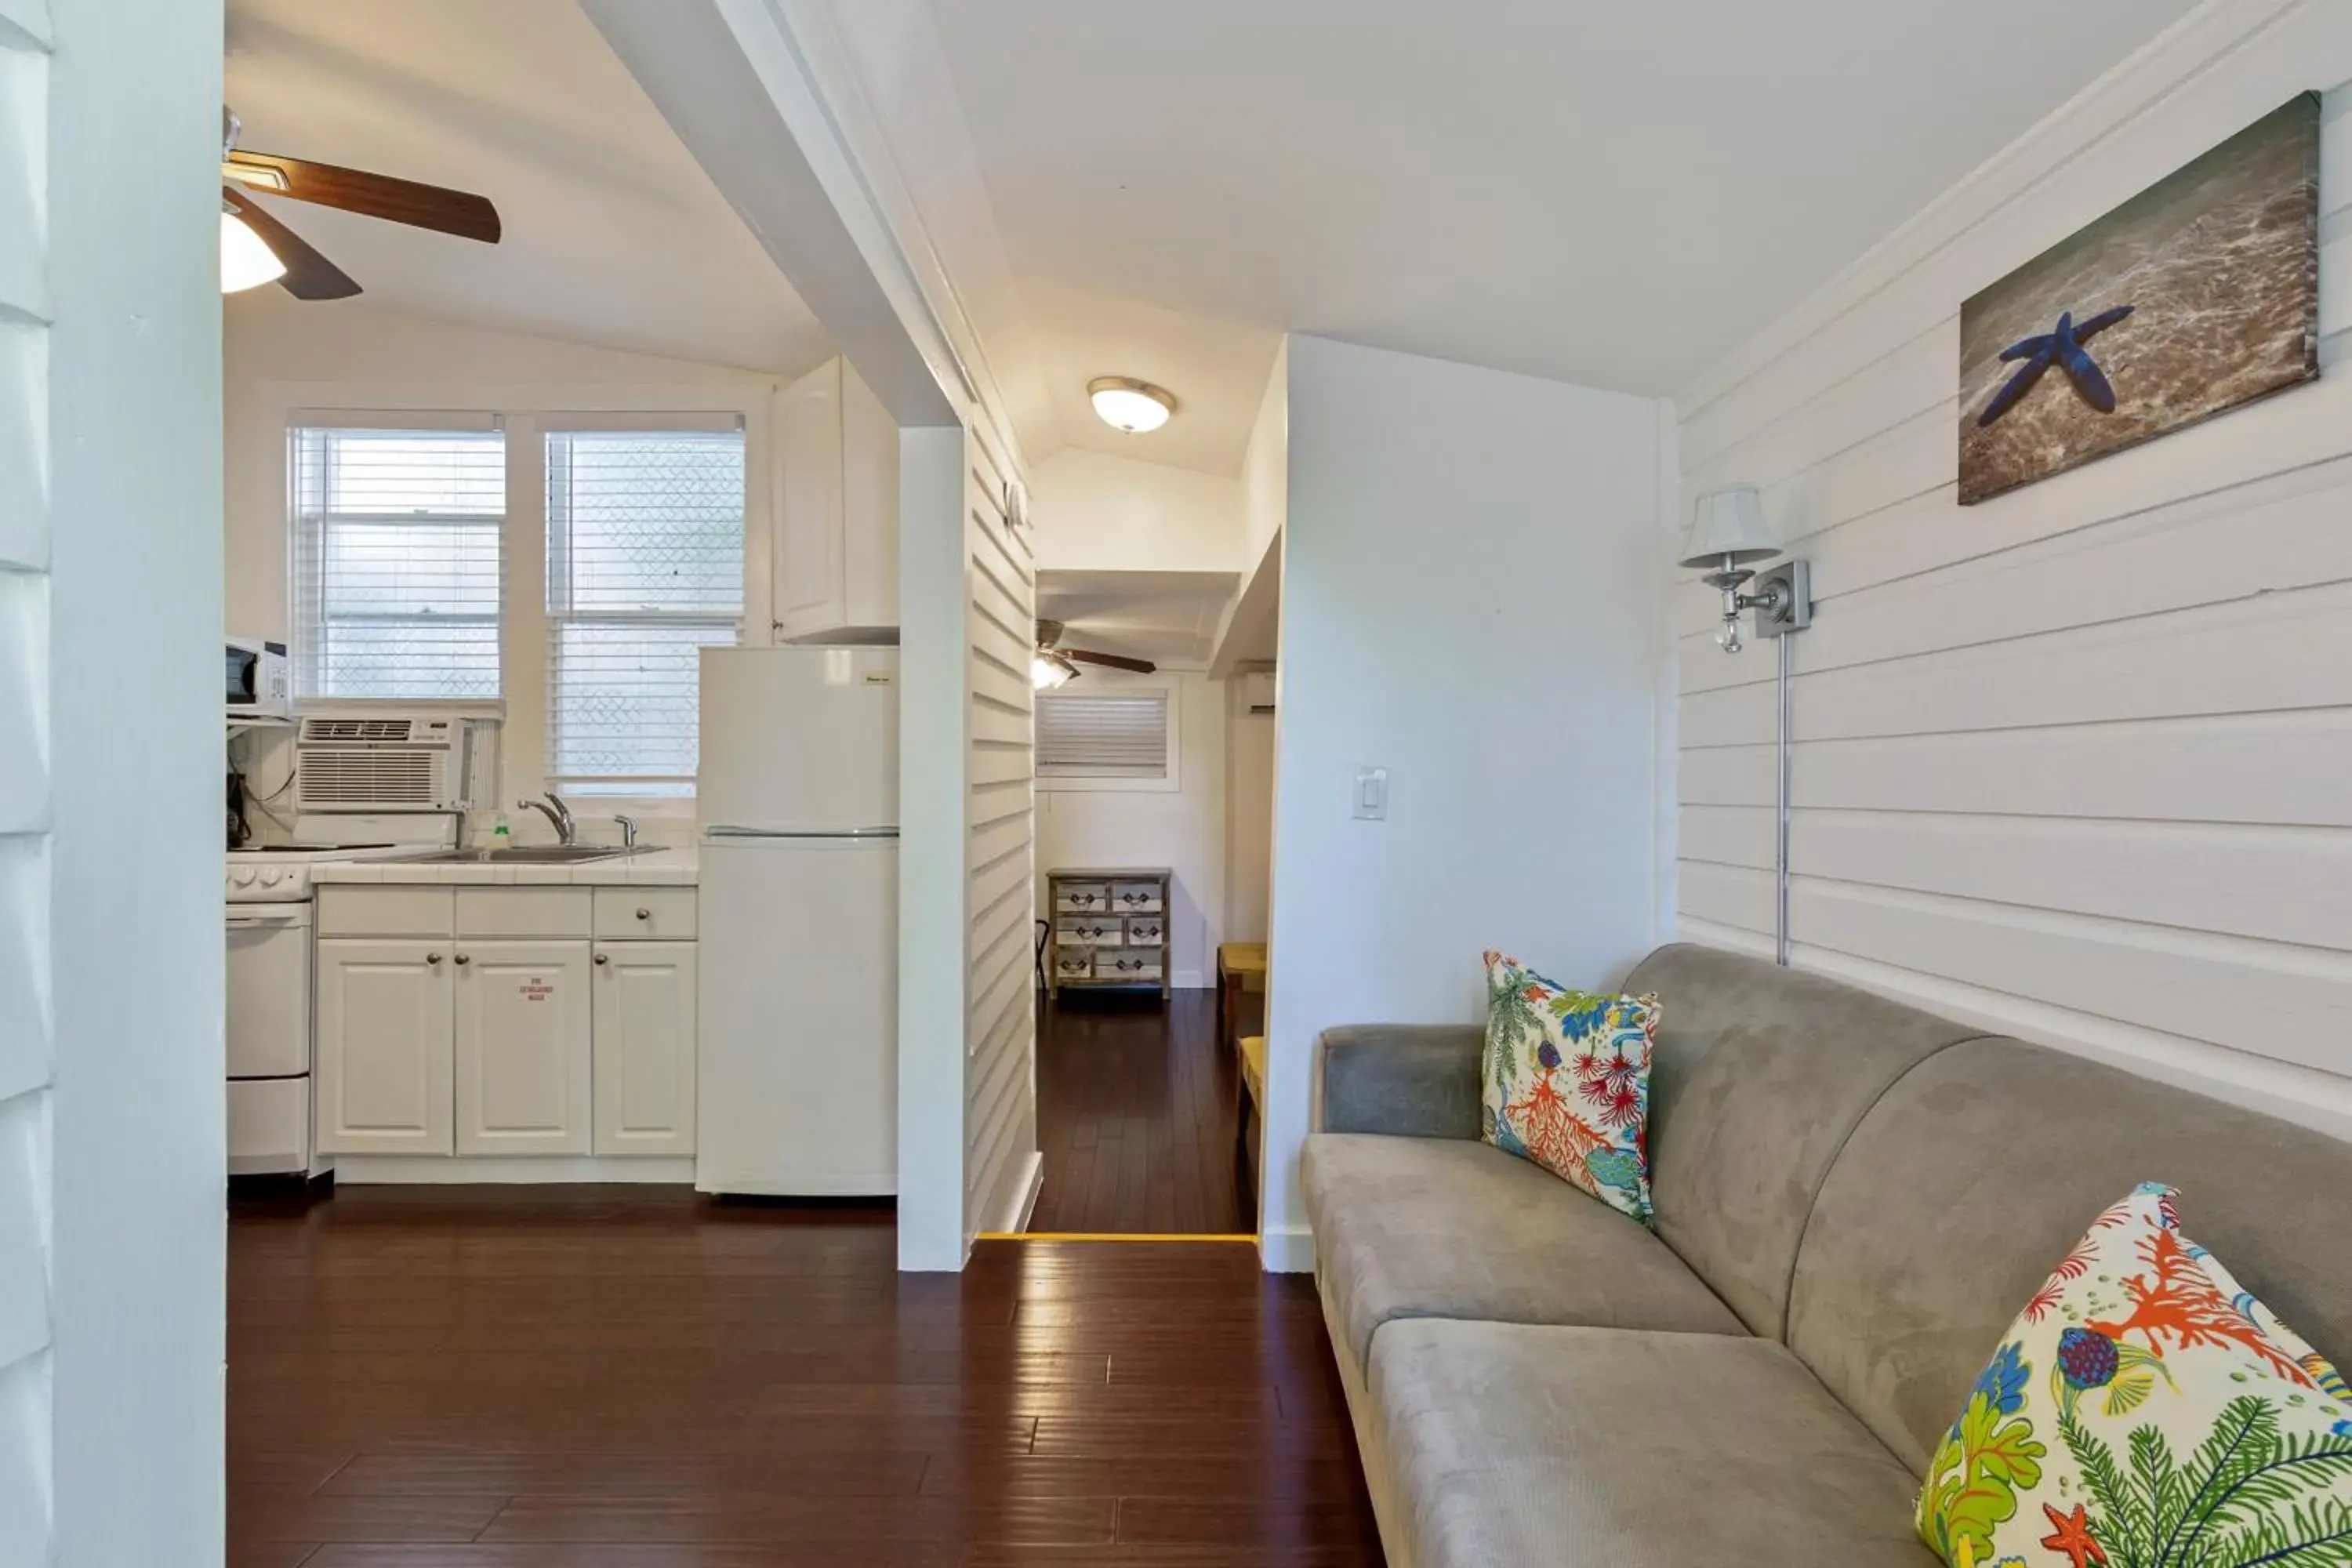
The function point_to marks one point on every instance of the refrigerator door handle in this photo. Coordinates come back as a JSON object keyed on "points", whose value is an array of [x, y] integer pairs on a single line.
{"points": [[723, 830]]}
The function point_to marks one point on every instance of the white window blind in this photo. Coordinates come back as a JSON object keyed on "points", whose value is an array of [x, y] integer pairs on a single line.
{"points": [[1102, 734], [396, 561], [645, 568]]}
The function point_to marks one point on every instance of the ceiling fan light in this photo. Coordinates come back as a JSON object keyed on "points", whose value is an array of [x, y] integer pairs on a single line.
{"points": [[1048, 669], [245, 261], [1126, 403]]}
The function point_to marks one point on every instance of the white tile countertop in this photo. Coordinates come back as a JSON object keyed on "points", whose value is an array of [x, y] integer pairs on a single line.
{"points": [[669, 867]]}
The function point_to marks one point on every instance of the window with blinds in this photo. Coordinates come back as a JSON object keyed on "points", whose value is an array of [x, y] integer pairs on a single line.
{"points": [[396, 562], [645, 568], [1103, 734]]}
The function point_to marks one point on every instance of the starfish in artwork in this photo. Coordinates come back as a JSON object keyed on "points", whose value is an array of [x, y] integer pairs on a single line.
{"points": [[2070, 1534], [2061, 346]]}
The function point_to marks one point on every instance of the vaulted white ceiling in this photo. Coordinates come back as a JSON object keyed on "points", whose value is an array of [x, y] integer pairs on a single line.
{"points": [[614, 236], [1604, 193]]}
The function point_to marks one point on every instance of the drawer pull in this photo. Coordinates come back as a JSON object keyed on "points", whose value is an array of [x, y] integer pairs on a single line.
{"points": [[432, 958], [604, 958], [462, 958], [645, 914]]}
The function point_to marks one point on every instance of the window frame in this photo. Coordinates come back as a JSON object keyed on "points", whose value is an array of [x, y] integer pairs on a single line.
{"points": [[1109, 683], [526, 412]]}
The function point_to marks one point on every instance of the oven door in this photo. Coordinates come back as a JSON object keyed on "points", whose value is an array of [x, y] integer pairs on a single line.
{"points": [[268, 1021]]}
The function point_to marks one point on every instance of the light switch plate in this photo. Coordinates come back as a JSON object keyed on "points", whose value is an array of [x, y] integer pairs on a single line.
{"points": [[1371, 794]]}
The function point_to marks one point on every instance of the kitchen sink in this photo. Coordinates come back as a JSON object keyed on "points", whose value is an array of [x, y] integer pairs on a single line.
{"points": [[526, 853]]}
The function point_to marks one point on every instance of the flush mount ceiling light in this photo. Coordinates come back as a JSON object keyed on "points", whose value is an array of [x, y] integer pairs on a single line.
{"points": [[1126, 403], [246, 262]]}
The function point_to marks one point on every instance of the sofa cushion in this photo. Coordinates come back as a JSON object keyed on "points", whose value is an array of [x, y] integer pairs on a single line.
{"points": [[1514, 1442], [1971, 1176], [1762, 1072], [1564, 1081], [1421, 1228]]}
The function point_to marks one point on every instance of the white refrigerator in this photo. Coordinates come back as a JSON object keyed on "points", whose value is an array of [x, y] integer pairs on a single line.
{"points": [[797, 1079]]}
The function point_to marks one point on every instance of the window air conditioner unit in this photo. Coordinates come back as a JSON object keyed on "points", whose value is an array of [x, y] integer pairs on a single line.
{"points": [[383, 762]]}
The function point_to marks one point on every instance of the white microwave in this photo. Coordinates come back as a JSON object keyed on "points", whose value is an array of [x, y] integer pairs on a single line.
{"points": [[260, 684]]}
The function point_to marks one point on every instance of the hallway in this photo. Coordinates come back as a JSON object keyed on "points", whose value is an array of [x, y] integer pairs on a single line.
{"points": [[1136, 1119]]}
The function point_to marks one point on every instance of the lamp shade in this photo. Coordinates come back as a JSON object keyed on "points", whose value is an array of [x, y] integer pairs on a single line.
{"points": [[1730, 521]]}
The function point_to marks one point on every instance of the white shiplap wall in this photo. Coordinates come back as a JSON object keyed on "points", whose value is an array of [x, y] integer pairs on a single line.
{"points": [[1001, 1164], [26, 1037], [2072, 762]]}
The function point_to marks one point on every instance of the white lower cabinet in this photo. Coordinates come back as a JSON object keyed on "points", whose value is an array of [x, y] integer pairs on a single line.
{"points": [[644, 1029], [383, 1043], [523, 1047], [490, 1024]]}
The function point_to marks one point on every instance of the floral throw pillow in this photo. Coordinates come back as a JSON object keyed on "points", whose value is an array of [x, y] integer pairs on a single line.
{"points": [[1566, 1082], [2144, 1411]]}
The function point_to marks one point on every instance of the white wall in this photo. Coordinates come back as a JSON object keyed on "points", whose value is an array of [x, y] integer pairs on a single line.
{"points": [[1249, 816], [1469, 599], [2070, 762], [1096, 512], [112, 1155], [1183, 828]]}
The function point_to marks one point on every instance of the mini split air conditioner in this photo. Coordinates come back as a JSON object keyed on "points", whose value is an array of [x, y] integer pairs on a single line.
{"points": [[384, 762], [1257, 693]]}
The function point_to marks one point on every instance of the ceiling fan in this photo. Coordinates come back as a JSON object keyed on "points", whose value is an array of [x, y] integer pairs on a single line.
{"points": [[256, 248], [1054, 665]]}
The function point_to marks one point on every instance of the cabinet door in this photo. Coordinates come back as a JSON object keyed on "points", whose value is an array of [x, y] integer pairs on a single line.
{"points": [[809, 589], [870, 508], [385, 1061], [522, 1047], [644, 1047]]}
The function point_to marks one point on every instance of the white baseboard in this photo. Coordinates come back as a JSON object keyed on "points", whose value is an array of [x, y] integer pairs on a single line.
{"points": [[465, 1170], [1021, 1201], [1288, 1251]]}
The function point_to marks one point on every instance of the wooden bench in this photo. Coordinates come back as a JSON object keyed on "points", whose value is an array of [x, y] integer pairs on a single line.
{"points": [[1250, 1121], [1241, 968]]}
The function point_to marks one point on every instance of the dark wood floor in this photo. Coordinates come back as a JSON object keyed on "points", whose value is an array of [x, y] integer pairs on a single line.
{"points": [[636, 1378], [1135, 1119]]}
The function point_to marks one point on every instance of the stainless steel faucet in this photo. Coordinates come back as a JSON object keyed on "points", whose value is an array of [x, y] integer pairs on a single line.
{"points": [[628, 829], [551, 805]]}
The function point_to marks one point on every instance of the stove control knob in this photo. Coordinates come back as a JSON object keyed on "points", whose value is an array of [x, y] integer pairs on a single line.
{"points": [[242, 877], [270, 879]]}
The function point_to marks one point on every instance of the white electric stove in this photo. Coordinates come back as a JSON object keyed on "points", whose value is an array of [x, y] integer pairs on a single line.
{"points": [[268, 894]]}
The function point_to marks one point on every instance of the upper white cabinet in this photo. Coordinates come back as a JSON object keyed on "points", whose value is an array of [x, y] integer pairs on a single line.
{"points": [[523, 1047], [836, 558]]}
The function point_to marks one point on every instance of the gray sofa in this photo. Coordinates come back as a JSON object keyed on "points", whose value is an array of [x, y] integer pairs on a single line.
{"points": [[1853, 1198]]}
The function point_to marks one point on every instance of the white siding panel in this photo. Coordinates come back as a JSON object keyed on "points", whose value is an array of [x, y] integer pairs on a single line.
{"points": [[1001, 1022], [2070, 762], [23, 444]]}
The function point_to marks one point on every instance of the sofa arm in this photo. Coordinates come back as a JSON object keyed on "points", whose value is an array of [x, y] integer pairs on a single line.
{"points": [[1409, 1080]]}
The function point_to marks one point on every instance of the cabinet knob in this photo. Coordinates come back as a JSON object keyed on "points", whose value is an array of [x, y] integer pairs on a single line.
{"points": [[645, 914], [604, 958], [463, 959], [432, 958]]}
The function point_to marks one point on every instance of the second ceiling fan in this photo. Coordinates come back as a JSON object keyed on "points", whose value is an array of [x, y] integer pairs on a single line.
{"points": [[256, 248], [1055, 665]]}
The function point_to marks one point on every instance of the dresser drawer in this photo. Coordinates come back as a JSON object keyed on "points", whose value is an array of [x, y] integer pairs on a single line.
{"points": [[1138, 966], [1146, 931], [1135, 898], [1081, 898], [1089, 934], [645, 914], [1075, 964]]}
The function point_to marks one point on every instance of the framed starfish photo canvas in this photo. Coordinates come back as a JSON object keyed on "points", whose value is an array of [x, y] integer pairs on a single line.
{"points": [[2198, 295]]}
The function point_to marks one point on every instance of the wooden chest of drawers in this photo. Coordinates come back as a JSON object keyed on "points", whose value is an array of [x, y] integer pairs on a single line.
{"points": [[1110, 927]]}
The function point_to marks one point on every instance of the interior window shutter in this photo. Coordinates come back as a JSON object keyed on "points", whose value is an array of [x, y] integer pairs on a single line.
{"points": [[397, 563], [645, 569], [1102, 735]]}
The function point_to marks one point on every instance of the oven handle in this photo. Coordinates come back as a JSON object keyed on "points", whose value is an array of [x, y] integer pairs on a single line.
{"points": [[248, 922]]}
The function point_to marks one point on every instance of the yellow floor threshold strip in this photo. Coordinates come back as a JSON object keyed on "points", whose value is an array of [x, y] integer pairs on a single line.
{"points": [[1099, 1236]]}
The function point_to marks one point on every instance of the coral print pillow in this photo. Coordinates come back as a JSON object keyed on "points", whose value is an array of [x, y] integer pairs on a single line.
{"points": [[2146, 1411], [1566, 1081]]}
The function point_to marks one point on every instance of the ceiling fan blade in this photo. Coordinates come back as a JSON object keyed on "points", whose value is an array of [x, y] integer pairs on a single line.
{"points": [[308, 275], [1115, 661], [436, 207]]}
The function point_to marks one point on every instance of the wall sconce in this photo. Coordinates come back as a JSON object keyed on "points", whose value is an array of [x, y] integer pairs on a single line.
{"points": [[1728, 531]]}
